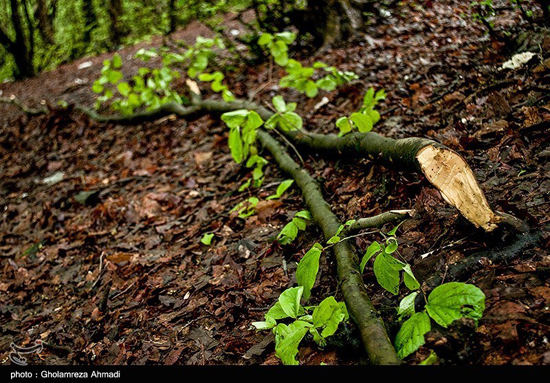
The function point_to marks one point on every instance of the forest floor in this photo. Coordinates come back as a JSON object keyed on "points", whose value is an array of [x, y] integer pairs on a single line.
{"points": [[158, 187]]}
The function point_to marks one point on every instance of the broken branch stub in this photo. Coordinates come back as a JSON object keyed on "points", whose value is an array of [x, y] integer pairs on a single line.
{"points": [[452, 176]]}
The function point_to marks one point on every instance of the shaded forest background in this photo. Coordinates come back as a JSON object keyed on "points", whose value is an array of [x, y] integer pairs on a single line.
{"points": [[37, 35]]}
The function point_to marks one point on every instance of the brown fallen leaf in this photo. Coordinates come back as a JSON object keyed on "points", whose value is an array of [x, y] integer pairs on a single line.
{"points": [[265, 209]]}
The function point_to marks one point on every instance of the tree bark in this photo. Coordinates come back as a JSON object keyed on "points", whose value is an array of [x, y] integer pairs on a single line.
{"points": [[45, 26], [117, 30], [172, 16], [90, 20], [329, 21], [373, 333], [22, 47]]}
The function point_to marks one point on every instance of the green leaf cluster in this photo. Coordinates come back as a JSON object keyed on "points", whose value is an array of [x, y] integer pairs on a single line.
{"points": [[301, 78], [291, 229], [285, 117], [277, 44], [321, 321], [246, 208], [257, 162], [446, 303], [150, 88], [216, 78], [366, 117], [242, 125], [387, 268]]}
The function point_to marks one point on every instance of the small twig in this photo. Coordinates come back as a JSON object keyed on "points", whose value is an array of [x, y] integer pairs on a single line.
{"points": [[123, 291], [100, 270], [349, 237], [260, 88], [377, 221], [30, 111], [448, 246]]}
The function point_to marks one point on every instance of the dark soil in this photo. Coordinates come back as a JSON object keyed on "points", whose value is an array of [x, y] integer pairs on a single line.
{"points": [[124, 279]]}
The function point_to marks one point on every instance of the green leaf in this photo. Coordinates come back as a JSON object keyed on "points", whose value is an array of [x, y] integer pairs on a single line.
{"points": [[287, 37], [374, 115], [290, 301], [304, 214], [279, 104], [97, 87], [454, 300], [272, 121], [276, 312], [268, 324], [328, 315], [124, 89], [392, 232], [411, 335], [349, 222], [406, 306], [114, 76], [431, 359], [363, 122], [333, 240], [380, 95], [369, 97], [288, 233], [253, 120], [307, 269], [117, 61], [290, 121], [344, 125], [236, 145], [245, 185], [410, 280], [391, 245], [311, 89], [287, 339], [283, 186], [371, 250], [228, 96], [326, 83], [235, 118], [299, 222], [385, 273], [265, 39], [207, 239]]}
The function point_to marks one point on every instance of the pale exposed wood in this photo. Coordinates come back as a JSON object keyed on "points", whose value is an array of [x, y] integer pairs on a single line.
{"points": [[452, 176]]}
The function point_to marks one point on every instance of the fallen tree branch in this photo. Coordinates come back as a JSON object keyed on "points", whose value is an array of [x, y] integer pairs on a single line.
{"points": [[442, 167], [376, 221], [29, 111], [373, 333], [474, 262]]}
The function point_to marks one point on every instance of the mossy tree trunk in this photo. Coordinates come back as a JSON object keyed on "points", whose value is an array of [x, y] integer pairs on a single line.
{"points": [[21, 46]]}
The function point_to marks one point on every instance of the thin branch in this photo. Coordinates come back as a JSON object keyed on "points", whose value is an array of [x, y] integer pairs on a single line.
{"points": [[377, 221]]}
